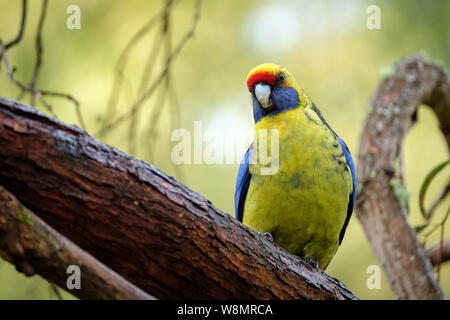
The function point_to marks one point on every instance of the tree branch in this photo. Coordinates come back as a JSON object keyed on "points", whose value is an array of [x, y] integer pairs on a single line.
{"points": [[21, 28], [439, 253], [39, 49], [33, 247], [379, 207], [157, 233]]}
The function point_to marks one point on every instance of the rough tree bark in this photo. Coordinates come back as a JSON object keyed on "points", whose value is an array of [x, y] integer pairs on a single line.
{"points": [[163, 237], [34, 247], [393, 109]]}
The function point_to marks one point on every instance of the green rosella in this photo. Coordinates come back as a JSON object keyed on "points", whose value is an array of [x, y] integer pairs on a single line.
{"points": [[306, 205]]}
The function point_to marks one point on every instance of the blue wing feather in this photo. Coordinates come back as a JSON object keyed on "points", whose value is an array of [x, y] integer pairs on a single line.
{"points": [[242, 183], [352, 196]]}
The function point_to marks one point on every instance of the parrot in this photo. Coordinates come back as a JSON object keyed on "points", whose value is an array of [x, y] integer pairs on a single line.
{"points": [[306, 205]]}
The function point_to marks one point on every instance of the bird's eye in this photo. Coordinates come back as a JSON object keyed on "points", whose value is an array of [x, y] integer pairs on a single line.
{"points": [[281, 77]]}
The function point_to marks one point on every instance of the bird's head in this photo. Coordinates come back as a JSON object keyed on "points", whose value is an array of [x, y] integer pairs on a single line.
{"points": [[273, 90]]}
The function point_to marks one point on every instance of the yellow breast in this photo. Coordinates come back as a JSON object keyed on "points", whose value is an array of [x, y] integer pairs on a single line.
{"points": [[304, 204]]}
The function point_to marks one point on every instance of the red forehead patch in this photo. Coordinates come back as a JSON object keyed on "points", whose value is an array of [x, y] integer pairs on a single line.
{"points": [[262, 76]]}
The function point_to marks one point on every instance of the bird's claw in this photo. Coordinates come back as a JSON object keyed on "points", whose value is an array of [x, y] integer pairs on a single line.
{"points": [[313, 263], [268, 236]]}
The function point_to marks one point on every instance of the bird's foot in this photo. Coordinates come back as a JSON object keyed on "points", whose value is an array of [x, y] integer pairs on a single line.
{"points": [[313, 263], [268, 236]]}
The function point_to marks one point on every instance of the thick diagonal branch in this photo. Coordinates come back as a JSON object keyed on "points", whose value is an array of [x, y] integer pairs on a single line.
{"points": [[381, 211], [163, 237]]}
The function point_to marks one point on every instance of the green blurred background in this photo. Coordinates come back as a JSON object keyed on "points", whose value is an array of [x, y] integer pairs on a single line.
{"points": [[325, 44]]}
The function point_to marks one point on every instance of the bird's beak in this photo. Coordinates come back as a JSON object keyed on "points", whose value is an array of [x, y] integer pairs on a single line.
{"points": [[262, 93]]}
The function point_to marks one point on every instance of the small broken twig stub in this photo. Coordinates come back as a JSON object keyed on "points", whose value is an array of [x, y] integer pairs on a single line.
{"points": [[439, 253]]}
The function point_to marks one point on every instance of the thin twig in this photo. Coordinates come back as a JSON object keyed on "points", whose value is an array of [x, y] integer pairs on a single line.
{"points": [[159, 105], [441, 251], [21, 85], [432, 252], [174, 102], [158, 79], [39, 49], [152, 130], [173, 99], [134, 123], [147, 71], [56, 291], [121, 64], [438, 200], [429, 233], [69, 97], [40, 93], [22, 27]]}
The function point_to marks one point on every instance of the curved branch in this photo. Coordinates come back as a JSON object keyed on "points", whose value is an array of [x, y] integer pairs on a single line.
{"points": [[17, 39], [157, 233], [380, 207], [39, 49]]}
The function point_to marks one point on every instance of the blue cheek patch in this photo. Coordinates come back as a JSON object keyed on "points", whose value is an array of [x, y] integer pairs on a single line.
{"points": [[283, 98]]}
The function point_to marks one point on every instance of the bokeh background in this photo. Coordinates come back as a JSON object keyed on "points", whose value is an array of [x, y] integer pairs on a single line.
{"points": [[325, 44]]}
